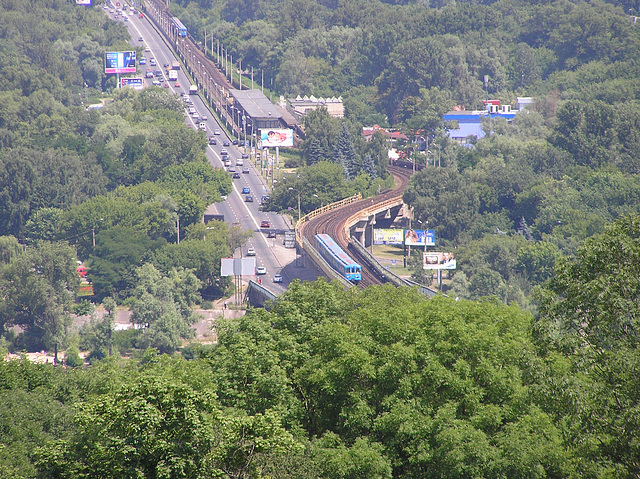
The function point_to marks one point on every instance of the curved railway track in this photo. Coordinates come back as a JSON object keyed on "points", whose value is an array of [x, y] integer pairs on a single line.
{"points": [[333, 222]]}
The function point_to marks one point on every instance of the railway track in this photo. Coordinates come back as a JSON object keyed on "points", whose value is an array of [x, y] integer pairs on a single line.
{"points": [[333, 222]]}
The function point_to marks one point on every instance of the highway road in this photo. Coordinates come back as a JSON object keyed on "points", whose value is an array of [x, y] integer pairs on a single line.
{"points": [[269, 252]]}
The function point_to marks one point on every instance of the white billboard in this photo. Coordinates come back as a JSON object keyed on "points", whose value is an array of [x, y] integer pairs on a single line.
{"points": [[237, 266], [273, 138], [439, 260]]}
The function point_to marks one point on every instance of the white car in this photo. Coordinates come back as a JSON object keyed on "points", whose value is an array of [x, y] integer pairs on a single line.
{"points": [[217, 132], [261, 270], [251, 252]]}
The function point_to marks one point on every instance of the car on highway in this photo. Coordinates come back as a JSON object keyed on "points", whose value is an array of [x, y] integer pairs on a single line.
{"points": [[204, 117], [245, 156], [236, 175], [231, 169], [261, 270], [248, 199], [245, 170], [265, 224], [152, 62], [271, 234], [212, 140], [225, 143], [245, 190], [140, 39], [251, 252], [142, 61], [235, 141], [217, 132], [147, 49], [224, 152], [156, 83], [277, 278], [177, 85]]}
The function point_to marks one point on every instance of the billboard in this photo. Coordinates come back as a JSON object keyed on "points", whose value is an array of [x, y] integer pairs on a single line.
{"points": [[272, 138], [438, 261], [119, 62], [388, 236], [419, 237], [135, 83], [237, 266]]}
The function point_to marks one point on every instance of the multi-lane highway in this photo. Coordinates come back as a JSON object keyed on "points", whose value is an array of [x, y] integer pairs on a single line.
{"points": [[236, 209]]}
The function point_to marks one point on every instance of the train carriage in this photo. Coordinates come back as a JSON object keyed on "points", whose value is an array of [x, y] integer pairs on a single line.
{"points": [[337, 258]]}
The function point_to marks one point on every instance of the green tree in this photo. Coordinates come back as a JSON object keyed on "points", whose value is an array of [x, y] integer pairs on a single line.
{"points": [[590, 300], [119, 251], [162, 307], [345, 154], [38, 287]]}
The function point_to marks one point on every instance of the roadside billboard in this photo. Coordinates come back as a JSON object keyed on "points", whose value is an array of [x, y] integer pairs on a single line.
{"points": [[388, 236], [438, 261], [237, 266], [135, 83], [419, 237], [272, 138], [119, 62]]}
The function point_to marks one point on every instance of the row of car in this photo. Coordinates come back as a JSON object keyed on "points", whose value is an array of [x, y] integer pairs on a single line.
{"points": [[261, 270]]}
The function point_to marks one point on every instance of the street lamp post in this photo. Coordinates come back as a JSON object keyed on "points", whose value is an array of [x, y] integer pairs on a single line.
{"points": [[299, 210]]}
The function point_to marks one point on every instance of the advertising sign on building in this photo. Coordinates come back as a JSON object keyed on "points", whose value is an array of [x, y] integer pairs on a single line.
{"points": [[438, 261], [272, 138], [388, 236], [119, 62], [420, 237]]}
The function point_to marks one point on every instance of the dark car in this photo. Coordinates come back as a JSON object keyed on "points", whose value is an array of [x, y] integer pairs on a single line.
{"points": [[271, 234], [245, 156], [245, 190], [235, 141], [212, 140], [248, 199], [225, 143], [236, 175], [140, 39]]}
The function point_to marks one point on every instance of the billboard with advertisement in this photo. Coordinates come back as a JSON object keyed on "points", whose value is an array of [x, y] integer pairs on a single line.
{"points": [[119, 62], [438, 260], [420, 237], [135, 83], [276, 137], [388, 236]]}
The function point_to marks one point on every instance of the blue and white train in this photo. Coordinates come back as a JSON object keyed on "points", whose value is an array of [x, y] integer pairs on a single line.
{"points": [[337, 258], [180, 28]]}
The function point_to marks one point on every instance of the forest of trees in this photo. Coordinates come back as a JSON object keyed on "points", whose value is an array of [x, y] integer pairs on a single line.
{"points": [[532, 373]]}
